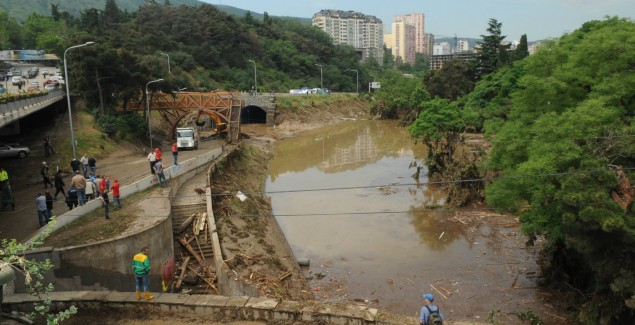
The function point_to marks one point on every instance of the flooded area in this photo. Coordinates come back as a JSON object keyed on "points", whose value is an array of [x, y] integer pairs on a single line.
{"points": [[346, 200]]}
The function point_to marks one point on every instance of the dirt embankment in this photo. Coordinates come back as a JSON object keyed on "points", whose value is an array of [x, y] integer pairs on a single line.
{"points": [[253, 245]]}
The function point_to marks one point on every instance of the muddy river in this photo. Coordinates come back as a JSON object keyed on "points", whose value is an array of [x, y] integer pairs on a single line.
{"points": [[346, 200]]}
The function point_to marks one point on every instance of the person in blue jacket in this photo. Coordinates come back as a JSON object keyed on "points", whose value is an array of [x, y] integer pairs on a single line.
{"points": [[428, 309]]}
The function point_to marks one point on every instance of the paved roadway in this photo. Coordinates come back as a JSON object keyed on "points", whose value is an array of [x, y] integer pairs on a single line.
{"points": [[127, 166]]}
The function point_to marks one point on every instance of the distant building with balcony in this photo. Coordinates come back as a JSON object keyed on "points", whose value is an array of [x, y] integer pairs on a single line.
{"points": [[462, 45], [436, 61], [403, 42], [428, 44], [365, 33], [417, 21]]}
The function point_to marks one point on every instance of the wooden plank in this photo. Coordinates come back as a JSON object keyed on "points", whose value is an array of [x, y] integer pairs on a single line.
{"points": [[189, 248], [203, 278], [185, 224], [183, 268]]}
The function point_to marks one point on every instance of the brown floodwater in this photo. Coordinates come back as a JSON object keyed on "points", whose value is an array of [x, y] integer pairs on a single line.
{"points": [[345, 198]]}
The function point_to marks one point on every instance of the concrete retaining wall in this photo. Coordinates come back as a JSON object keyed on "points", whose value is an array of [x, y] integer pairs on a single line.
{"points": [[106, 265]]}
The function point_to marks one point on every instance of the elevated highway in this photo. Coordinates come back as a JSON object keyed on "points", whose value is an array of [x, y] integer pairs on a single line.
{"points": [[13, 111]]}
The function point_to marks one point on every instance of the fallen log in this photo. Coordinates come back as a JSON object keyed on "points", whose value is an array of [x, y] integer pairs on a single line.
{"points": [[185, 224], [189, 248], [183, 268]]}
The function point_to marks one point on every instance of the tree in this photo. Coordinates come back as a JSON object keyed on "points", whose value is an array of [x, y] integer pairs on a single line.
{"points": [[453, 80], [522, 50], [12, 254], [564, 158], [493, 54]]}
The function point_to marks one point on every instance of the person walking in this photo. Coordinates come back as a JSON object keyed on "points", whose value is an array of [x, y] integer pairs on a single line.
{"points": [[49, 206], [152, 158], [74, 165], [105, 202], [59, 184], [175, 153], [430, 313], [91, 188], [45, 175], [85, 167], [42, 215], [158, 169], [47, 147], [71, 198], [78, 182], [103, 186], [92, 164], [141, 270], [115, 194]]}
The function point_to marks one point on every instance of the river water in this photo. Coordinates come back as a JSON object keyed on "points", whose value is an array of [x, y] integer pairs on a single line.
{"points": [[345, 198]]}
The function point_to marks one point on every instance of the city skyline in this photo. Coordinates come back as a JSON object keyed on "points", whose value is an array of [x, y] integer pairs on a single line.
{"points": [[539, 19]]}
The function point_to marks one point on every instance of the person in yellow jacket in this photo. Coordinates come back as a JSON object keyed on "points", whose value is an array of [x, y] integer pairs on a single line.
{"points": [[141, 269]]}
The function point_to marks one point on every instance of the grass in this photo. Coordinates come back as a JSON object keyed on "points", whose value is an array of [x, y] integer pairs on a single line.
{"points": [[93, 226]]}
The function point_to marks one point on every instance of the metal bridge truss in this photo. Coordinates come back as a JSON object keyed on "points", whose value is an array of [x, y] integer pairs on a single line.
{"points": [[174, 107]]}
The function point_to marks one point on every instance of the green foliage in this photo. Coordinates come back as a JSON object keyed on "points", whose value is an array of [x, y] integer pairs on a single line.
{"points": [[529, 315], [455, 79], [493, 53], [571, 116], [398, 97], [12, 253], [125, 126]]}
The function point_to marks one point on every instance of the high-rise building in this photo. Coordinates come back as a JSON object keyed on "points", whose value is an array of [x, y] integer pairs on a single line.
{"points": [[403, 38], [365, 33], [428, 44], [417, 20], [462, 45]]}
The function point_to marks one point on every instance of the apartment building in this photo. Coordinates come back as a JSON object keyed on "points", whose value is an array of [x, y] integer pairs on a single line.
{"points": [[417, 20], [403, 42], [462, 45], [365, 33]]}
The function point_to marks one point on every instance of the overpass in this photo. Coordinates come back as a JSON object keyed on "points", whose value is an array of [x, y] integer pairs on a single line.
{"points": [[11, 112]]}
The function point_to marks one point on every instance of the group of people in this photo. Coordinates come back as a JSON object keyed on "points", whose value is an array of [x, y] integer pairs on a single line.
{"points": [[156, 164]]}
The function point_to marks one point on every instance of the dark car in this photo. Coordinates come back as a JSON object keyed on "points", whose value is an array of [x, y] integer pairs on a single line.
{"points": [[11, 150]]}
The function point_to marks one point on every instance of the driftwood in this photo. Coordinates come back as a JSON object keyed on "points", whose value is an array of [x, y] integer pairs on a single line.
{"points": [[189, 248], [199, 248], [183, 268], [204, 279], [185, 224]]}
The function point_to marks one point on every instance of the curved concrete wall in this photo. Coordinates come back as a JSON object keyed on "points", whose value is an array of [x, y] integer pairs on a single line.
{"points": [[106, 265]]}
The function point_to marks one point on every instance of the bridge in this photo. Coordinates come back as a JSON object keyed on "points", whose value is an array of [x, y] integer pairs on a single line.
{"points": [[11, 112], [224, 108]]}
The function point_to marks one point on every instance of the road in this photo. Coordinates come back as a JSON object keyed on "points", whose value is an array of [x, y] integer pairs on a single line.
{"points": [[127, 164]]}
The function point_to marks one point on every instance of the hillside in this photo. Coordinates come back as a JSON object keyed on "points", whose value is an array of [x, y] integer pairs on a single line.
{"points": [[21, 9]]}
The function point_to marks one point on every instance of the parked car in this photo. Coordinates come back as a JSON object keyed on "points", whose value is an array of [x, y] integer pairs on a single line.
{"points": [[51, 86], [15, 80], [33, 86], [12, 150]]}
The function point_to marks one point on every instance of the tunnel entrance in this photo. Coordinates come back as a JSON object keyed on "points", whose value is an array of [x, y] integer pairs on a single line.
{"points": [[253, 115]]}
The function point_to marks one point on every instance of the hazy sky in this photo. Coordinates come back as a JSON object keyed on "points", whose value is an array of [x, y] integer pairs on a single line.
{"points": [[538, 19]]}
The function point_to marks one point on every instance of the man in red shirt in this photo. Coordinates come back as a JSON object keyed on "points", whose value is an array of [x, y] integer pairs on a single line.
{"points": [[115, 194], [175, 153], [102, 185], [158, 153]]}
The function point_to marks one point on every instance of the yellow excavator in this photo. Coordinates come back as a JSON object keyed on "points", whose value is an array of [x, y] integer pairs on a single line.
{"points": [[217, 127]]}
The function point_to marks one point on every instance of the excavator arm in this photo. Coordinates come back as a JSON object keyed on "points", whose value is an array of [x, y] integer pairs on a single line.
{"points": [[219, 126]]}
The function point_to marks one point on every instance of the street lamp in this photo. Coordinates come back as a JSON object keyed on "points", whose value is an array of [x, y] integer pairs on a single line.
{"points": [[321, 83], [68, 95], [357, 80], [148, 106], [169, 72], [255, 76]]}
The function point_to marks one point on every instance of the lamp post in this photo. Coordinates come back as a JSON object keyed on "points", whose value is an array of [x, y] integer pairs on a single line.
{"points": [[68, 95], [321, 83], [357, 80], [148, 106], [169, 71], [255, 76]]}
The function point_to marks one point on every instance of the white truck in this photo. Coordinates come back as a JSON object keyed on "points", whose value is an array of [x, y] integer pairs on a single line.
{"points": [[186, 138]]}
